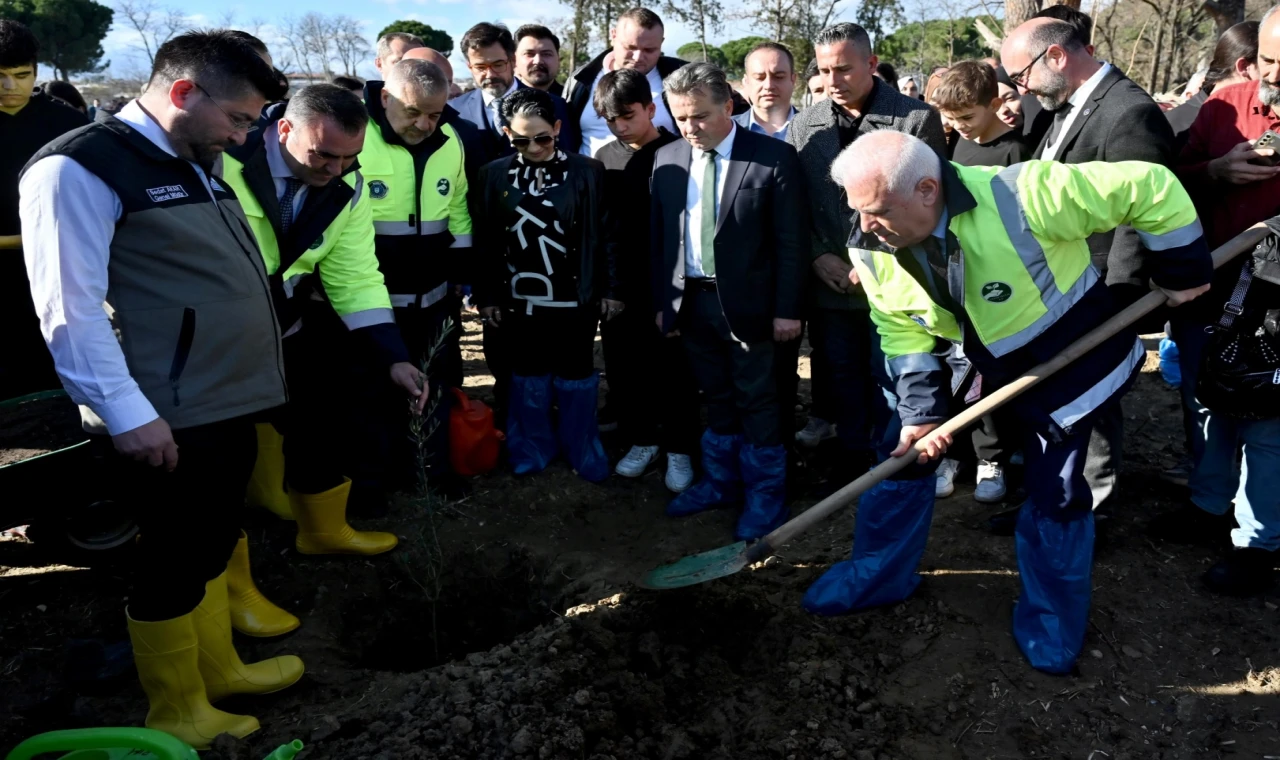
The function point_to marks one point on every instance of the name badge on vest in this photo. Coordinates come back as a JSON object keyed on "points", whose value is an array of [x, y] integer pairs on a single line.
{"points": [[166, 193]]}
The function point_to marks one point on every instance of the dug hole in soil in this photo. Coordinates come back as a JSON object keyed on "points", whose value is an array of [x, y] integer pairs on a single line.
{"points": [[529, 639]]}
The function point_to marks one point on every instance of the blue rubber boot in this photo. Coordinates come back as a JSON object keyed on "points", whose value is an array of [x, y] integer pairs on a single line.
{"points": [[721, 481], [888, 540], [764, 473], [579, 431], [1055, 559], [530, 441]]}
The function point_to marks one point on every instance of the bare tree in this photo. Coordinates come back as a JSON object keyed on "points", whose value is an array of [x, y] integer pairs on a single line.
{"points": [[703, 15], [1017, 12], [298, 57], [153, 24], [349, 43]]}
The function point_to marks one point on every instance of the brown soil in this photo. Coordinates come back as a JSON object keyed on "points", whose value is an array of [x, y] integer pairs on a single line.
{"points": [[541, 646], [37, 427]]}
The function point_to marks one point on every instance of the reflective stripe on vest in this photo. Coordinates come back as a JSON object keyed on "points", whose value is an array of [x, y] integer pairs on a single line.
{"points": [[437, 294], [434, 227], [1004, 189], [1071, 413]]}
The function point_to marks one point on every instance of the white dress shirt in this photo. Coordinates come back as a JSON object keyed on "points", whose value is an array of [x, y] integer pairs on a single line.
{"points": [[488, 99], [595, 130], [1077, 99], [68, 221], [693, 202], [280, 171]]}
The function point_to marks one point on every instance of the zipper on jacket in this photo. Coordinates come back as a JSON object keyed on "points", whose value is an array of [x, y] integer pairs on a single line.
{"points": [[180, 355]]}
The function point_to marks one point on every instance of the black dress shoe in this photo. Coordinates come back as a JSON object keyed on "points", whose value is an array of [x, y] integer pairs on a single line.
{"points": [[1190, 524], [1244, 572], [1003, 523]]}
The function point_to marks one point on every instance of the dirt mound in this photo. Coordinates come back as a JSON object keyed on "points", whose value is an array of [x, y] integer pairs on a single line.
{"points": [[37, 427]]}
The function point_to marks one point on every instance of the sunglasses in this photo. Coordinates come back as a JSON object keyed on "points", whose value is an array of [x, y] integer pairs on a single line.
{"points": [[522, 143]]}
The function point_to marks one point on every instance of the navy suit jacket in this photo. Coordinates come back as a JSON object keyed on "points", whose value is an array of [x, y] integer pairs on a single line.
{"points": [[761, 238], [470, 106]]}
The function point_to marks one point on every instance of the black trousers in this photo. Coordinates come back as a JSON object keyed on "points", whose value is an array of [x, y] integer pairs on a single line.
{"points": [[26, 366], [550, 341], [189, 519], [650, 384], [821, 383], [317, 416], [739, 379], [421, 329]]}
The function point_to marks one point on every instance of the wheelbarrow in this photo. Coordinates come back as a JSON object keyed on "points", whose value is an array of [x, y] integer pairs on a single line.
{"points": [[121, 744], [68, 497]]}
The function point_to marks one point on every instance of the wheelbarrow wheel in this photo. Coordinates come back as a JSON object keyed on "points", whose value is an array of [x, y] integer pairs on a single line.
{"points": [[100, 533]]}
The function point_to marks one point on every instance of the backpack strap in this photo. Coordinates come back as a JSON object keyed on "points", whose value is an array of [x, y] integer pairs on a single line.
{"points": [[1235, 307]]}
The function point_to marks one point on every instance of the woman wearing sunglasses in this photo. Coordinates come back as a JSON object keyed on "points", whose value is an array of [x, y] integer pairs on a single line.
{"points": [[547, 276]]}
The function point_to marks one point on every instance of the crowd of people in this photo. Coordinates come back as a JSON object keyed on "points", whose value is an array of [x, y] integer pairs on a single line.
{"points": [[250, 293]]}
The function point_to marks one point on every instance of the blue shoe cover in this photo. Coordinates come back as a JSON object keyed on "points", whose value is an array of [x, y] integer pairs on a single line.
{"points": [[579, 431], [888, 540], [531, 443], [1055, 558], [721, 481], [764, 473]]}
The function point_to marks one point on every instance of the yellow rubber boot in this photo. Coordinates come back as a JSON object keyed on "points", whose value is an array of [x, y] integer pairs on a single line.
{"points": [[323, 528], [252, 613], [266, 486], [220, 667], [168, 660]]}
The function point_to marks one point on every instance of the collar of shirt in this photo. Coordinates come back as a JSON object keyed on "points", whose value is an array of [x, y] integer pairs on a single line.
{"points": [[275, 151], [133, 115], [759, 126], [940, 232], [724, 149], [488, 99], [1085, 91]]}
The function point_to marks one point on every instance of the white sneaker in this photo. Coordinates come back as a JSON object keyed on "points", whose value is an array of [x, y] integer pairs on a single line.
{"points": [[816, 430], [636, 461], [679, 472], [946, 483], [990, 483]]}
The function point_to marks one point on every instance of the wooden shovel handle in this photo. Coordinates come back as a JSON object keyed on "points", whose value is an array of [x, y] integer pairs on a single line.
{"points": [[1147, 304]]}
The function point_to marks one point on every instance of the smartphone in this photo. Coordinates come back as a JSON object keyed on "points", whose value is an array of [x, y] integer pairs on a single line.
{"points": [[1271, 140]]}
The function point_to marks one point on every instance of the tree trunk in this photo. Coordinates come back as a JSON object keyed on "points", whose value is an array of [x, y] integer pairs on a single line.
{"points": [[1017, 12], [1157, 53], [1225, 13], [1069, 3]]}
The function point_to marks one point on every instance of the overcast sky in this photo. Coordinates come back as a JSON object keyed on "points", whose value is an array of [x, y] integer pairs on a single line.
{"points": [[453, 16]]}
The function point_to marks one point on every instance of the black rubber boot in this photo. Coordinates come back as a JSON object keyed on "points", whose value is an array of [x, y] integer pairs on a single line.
{"points": [[1192, 525]]}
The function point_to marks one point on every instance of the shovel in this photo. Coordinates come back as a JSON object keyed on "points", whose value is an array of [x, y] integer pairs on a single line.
{"points": [[727, 560]]}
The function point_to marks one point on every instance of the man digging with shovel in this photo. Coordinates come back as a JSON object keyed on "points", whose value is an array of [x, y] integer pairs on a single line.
{"points": [[995, 260]]}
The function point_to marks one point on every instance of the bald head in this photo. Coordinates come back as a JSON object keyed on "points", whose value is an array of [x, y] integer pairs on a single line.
{"points": [[1045, 58], [431, 56], [894, 182]]}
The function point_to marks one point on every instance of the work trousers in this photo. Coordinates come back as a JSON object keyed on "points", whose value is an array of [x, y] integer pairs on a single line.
{"points": [[1189, 333], [312, 421], [739, 379], [650, 384], [821, 384], [1106, 449], [189, 519]]}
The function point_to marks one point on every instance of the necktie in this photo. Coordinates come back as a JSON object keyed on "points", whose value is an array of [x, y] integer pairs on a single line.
{"points": [[495, 115], [1059, 118], [707, 233], [291, 188]]}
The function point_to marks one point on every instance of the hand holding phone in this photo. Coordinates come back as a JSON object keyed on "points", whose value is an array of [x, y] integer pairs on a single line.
{"points": [[1269, 140]]}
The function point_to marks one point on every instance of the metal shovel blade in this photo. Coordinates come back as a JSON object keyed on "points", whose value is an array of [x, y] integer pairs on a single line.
{"points": [[698, 568]]}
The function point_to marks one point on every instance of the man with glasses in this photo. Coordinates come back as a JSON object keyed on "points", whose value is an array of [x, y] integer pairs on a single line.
{"points": [[157, 309], [1099, 114], [414, 167], [490, 51]]}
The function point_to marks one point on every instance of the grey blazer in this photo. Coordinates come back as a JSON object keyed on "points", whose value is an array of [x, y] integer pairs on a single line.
{"points": [[815, 137]]}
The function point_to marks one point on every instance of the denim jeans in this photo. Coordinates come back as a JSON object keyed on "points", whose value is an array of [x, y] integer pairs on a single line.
{"points": [[1215, 481], [1189, 334]]}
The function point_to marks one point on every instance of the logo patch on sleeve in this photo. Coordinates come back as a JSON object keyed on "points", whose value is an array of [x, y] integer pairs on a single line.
{"points": [[442, 186], [166, 193], [377, 189]]}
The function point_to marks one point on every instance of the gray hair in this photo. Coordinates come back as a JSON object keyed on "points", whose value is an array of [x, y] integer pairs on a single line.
{"points": [[328, 101], [844, 32], [425, 77], [1270, 12], [902, 159], [384, 42], [1056, 32], [706, 78]]}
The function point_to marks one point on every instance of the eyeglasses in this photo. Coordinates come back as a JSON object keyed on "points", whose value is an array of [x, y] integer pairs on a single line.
{"points": [[236, 124], [496, 67], [522, 143], [1020, 79]]}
